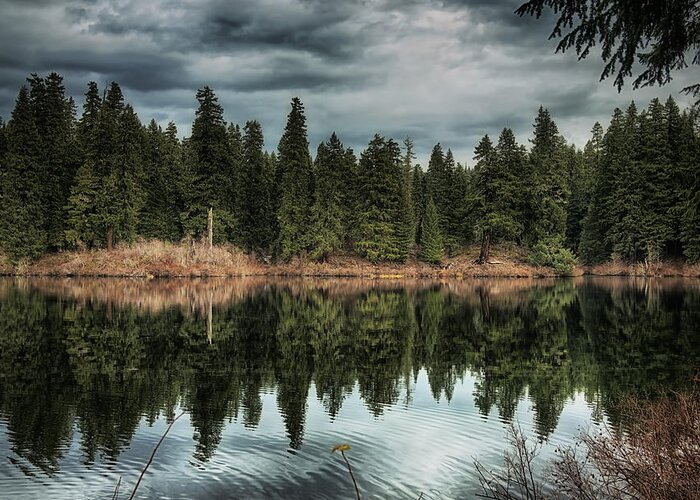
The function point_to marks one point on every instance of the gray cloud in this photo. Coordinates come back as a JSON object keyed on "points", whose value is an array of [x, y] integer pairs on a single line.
{"points": [[436, 70]]}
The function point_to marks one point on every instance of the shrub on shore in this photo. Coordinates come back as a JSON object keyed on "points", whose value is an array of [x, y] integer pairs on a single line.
{"points": [[656, 456]]}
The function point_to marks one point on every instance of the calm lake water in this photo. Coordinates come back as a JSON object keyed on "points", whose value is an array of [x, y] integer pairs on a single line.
{"points": [[419, 378]]}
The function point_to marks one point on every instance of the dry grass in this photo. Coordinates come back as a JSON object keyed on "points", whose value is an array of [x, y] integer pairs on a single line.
{"points": [[196, 259], [149, 259], [657, 269], [5, 266], [159, 259]]}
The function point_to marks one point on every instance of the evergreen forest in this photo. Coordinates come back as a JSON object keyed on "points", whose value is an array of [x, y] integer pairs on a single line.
{"points": [[99, 177]]}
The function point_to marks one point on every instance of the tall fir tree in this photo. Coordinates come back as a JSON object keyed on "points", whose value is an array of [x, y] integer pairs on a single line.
{"points": [[548, 189], [451, 215], [410, 217], [461, 225], [591, 247], [440, 181], [57, 153], [255, 211], [296, 184], [690, 209], [625, 204], [83, 226], [210, 169], [657, 176], [418, 193], [174, 172], [687, 148], [122, 195], [160, 216], [115, 157], [498, 187], [579, 186], [333, 171], [22, 228], [88, 124], [380, 177], [485, 177]]}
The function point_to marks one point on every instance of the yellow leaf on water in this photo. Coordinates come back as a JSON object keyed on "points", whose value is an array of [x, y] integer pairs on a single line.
{"points": [[340, 447]]}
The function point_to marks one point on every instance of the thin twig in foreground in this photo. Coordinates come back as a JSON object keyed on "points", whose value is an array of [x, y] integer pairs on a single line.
{"points": [[133, 493], [116, 490], [357, 490]]}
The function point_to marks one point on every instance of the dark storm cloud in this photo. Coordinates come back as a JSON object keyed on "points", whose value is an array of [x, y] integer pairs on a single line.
{"points": [[436, 70]]}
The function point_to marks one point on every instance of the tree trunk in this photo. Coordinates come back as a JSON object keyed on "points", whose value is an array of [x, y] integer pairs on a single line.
{"points": [[210, 228], [109, 238], [485, 247]]}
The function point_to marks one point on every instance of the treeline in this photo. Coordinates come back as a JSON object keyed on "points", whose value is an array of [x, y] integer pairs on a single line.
{"points": [[66, 182]]}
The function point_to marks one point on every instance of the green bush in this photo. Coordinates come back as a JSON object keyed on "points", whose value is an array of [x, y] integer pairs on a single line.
{"points": [[551, 253]]}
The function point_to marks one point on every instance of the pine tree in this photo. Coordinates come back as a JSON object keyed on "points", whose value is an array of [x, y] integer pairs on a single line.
{"points": [[173, 175], [160, 216], [436, 174], [657, 177], [406, 231], [418, 191], [114, 148], [548, 190], [270, 178], [441, 182], [432, 247], [88, 123], [686, 145], [255, 212], [296, 184], [485, 179], [593, 231], [333, 172], [690, 214], [498, 189], [235, 147], [122, 195], [22, 230], [379, 186], [579, 185], [83, 227], [450, 207], [625, 204], [409, 212], [461, 227], [55, 118], [211, 170]]}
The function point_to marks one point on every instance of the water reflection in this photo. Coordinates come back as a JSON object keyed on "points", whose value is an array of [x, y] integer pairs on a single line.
{"points": [[93, 358]]}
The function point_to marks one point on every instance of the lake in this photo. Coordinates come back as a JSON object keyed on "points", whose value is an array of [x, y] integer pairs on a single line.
{"points": [[420, 378]]}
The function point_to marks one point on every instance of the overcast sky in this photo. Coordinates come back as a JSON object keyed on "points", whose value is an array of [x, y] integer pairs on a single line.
{"points": [[448, 71]]}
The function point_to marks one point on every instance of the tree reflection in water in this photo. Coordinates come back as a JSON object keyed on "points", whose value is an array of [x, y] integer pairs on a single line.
{"points": [[100, 355]]}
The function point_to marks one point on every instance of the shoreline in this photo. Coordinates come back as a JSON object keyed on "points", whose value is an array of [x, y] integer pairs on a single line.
{"points": [[155, 259]]}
